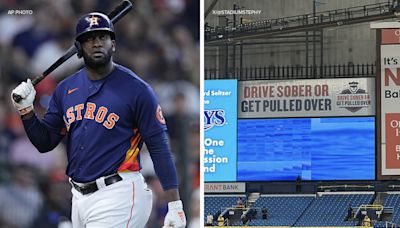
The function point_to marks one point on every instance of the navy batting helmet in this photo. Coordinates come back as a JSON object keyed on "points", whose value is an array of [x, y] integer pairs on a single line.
{"points": [[94, 22]]}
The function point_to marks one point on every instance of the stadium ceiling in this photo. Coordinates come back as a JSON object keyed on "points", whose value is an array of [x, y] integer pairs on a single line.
{"points": [[215, 36]]}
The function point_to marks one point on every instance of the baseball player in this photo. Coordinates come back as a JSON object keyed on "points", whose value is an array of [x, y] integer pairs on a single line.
{"points": [[105, 112]]}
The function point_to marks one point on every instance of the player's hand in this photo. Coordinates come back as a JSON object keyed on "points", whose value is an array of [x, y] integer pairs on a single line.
{"points": [[176, 216], [27, 92]]}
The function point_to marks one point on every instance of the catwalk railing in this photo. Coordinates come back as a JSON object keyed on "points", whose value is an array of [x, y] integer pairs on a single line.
{"points": [[293, 72], [269, 27]]}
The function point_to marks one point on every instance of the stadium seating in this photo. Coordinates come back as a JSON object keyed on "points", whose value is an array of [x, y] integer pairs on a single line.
{"points": [[391, 200], [213, 204], [282, 210], [331, 210]]}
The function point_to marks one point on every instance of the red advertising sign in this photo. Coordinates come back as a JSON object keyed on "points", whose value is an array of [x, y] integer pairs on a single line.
{"points": [[390, 36], [392, 140]]}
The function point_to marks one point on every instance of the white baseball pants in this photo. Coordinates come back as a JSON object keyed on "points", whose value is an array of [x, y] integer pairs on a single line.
{"points": [[124, 204]]}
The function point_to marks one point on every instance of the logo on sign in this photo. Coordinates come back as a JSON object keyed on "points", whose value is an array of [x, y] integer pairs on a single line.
{"points": [[214, 118], [353, 98]]}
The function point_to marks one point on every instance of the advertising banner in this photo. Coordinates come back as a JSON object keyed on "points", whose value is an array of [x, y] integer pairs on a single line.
{"points": [[220, 130], [390, 108], [306, 98], [229, 187]]}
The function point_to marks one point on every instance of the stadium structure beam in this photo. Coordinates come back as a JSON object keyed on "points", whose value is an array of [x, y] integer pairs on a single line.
{"points": [[274, 32]]}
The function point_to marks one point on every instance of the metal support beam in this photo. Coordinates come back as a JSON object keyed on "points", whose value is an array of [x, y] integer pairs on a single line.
{"points": [[313, 43], [241, 59], [234, 46], [307, 53], [321, 42], [226, 74]]}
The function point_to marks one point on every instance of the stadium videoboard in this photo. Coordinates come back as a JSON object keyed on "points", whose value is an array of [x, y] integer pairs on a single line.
{"points": [[340, 148], [282, 148], [220, 130]]}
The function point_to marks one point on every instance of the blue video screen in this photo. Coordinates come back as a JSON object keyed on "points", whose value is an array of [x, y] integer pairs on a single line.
{"points": [[341, 148]]}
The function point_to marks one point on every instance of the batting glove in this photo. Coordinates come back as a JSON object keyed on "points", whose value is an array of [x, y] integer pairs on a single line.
{"points": [[176, 216], [27, 92]]}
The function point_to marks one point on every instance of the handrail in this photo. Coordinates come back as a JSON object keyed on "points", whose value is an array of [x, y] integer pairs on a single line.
{"points": [[369, 206], [346, 186], [392, 225], [293, 72]]}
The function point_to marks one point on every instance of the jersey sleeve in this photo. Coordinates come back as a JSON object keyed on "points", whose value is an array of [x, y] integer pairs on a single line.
{"points": [[161, 155], [53, 118], [147, 113]]}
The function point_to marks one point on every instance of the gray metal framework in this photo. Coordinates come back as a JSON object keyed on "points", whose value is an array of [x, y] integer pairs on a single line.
{"points": [[300, 23], [306, 29]]}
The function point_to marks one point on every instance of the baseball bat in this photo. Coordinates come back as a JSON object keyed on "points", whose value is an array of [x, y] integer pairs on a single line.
{"points": [[114, 16]]}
